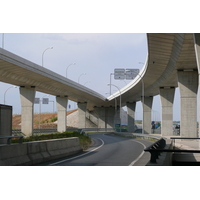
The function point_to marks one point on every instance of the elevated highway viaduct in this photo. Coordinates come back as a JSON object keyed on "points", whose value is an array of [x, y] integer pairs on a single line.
{"points": [[172, 61]]}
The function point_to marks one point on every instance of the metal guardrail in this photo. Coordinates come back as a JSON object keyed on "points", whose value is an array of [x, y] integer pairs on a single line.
{"points": [[158, 147], [155, 148]]}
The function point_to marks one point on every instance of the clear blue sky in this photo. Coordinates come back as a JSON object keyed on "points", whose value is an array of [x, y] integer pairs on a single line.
{"points": [[96, 54]]}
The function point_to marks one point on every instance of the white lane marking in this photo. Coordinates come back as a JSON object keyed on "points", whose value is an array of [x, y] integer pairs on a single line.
{"points": [[80, 155], [139, 155]]}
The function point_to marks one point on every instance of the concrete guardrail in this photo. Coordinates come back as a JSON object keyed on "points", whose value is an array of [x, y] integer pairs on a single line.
{"points": [[31, 153]]}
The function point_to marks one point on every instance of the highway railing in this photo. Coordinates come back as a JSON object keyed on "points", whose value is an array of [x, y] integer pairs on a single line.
{"points": [[155, 149], [159, 147]]}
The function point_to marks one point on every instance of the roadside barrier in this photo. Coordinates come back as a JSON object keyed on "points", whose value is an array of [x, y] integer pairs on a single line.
{"points": [[32, 153], [158, 145]]}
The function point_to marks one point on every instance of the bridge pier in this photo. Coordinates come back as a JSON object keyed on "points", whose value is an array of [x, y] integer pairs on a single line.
{"points": [[110, 114], [197, 49], [131, 116], [117, 116], [167, 100], [106, 117], [61, 107], [82, 108], [188, 85], [101, 116], [147, 108], [197, 52], [27, 96]]}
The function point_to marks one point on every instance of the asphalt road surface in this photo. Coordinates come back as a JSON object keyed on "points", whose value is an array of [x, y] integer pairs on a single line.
{"points": [[109, 150]]}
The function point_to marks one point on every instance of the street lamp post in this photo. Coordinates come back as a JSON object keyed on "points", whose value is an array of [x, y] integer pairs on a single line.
{"points": [[86, 82], [120, 104], [80, 77], [43, 54], [6, 91], [68, 67], [110, 81]]}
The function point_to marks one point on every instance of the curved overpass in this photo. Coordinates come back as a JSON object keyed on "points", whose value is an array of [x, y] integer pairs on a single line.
{"points": [[167, 53]]}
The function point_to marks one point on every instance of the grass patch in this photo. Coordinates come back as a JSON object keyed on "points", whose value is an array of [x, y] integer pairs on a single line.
{"points": [[53, 119], [84, 139], [148, 138], [136, 137]]}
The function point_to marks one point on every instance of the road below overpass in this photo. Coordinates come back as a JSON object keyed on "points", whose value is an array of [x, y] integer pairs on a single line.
{"points": [[109, 150]]}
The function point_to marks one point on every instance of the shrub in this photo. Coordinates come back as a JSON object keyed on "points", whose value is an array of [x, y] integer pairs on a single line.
{"points": [[53, 119], [84, 139]]}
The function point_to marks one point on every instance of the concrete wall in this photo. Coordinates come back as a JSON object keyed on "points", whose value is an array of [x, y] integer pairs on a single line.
{"points": [[31, 153]]}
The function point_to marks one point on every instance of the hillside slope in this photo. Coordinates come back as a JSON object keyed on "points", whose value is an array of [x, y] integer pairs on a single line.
{"points": [[47, 120]]}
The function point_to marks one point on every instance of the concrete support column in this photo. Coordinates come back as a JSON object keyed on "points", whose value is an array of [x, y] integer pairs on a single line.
{"points": [[110, 114], [117, 116], [92, 116], [101, 113], [61, 107], [167, 100], [131, 116], [147, 107], [82, 108], [27, 96], [197, 49], [197, 52], [188, 85]]}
